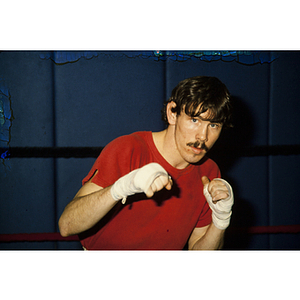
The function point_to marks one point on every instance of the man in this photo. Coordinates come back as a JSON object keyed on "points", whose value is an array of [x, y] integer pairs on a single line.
{"points": [[170, 191]]}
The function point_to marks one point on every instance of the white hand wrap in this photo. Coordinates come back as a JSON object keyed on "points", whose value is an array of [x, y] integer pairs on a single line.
{"points": [[137, 181], [221, 211]]}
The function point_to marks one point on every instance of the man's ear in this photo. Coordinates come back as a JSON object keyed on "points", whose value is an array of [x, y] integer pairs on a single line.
{"points": [[172, 116]]}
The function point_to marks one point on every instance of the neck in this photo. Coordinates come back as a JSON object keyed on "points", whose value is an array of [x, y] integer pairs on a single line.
{"points": [[166, 145]]}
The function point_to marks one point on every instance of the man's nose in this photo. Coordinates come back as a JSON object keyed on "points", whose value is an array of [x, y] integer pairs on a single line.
{"points": [[202, 133]]}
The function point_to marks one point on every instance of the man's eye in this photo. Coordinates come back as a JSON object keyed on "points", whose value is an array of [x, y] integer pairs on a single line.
{"points": [[214, 125], [194, 120]]}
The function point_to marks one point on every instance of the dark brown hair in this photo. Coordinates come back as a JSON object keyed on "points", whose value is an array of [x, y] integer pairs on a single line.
{"points": [[204, 92]]}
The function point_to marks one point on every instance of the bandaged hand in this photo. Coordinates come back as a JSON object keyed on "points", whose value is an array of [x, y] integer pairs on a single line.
{"points": [[219, 196], [148, 179]]}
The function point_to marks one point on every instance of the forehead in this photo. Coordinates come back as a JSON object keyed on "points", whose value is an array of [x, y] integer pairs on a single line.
{"points": [[200, 112]]}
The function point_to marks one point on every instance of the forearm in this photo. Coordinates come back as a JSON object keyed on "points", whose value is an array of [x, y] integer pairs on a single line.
{"points": [[84, 212], [92, 202], [213, 239], [219, 196]]}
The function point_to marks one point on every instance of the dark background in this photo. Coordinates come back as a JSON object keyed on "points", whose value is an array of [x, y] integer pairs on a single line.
{"points": [[60, 108]]}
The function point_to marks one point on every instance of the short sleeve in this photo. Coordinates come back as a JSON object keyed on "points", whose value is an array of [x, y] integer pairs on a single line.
{"points": [[117, 159]]}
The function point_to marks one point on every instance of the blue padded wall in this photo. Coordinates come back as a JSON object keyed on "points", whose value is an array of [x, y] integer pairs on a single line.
{"points": [[86, 99], [27, 184], [284, 171]]}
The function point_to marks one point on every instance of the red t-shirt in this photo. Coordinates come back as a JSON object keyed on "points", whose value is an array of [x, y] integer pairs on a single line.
{"points": [[163, 222]]}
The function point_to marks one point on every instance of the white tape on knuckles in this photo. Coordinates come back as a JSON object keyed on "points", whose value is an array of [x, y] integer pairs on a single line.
{"points": [[147, 174], [221, 211], [137, 181]]}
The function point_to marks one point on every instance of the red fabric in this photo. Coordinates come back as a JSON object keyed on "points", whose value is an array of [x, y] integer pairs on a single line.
{"points": [[163, 222]]}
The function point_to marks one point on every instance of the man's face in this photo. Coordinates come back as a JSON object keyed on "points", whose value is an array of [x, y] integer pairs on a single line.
{"points": [[194, 136]]}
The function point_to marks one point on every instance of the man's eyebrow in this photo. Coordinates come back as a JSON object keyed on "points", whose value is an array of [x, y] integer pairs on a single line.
{"points": [[209, 120]]}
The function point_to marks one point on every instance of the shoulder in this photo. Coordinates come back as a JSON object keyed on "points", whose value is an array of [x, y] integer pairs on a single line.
{"points": [[132, 147], [136, 137], [208, 162], [119, 157], [130, 141]]}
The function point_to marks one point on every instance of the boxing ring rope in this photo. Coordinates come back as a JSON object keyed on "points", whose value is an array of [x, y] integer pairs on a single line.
{"points": [[87, 152], [55, 236], [36, 237]]}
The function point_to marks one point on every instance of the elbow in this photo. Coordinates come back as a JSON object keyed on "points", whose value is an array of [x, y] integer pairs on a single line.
{"points": [[63, 228]]}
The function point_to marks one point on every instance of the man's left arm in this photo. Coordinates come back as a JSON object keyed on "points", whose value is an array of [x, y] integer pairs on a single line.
{"points": [[219, 196], [206, 238]]}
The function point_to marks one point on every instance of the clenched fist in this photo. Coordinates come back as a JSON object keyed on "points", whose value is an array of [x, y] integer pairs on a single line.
{"points": [[149, 179], [219, 196]]}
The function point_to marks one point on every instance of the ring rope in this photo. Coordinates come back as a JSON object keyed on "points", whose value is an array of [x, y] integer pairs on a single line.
{"points": [[55, 236]]}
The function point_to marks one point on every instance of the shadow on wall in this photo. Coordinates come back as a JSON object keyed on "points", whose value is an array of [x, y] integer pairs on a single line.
{"points": [[243, 217], [226, 153], [232, 142]]}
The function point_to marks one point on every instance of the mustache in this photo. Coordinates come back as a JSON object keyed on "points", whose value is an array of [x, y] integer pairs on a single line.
{"points": [[197, 144]]}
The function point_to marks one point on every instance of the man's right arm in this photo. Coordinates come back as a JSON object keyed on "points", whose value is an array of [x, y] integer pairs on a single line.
{"points": [[88, 207], [93, 202]]}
